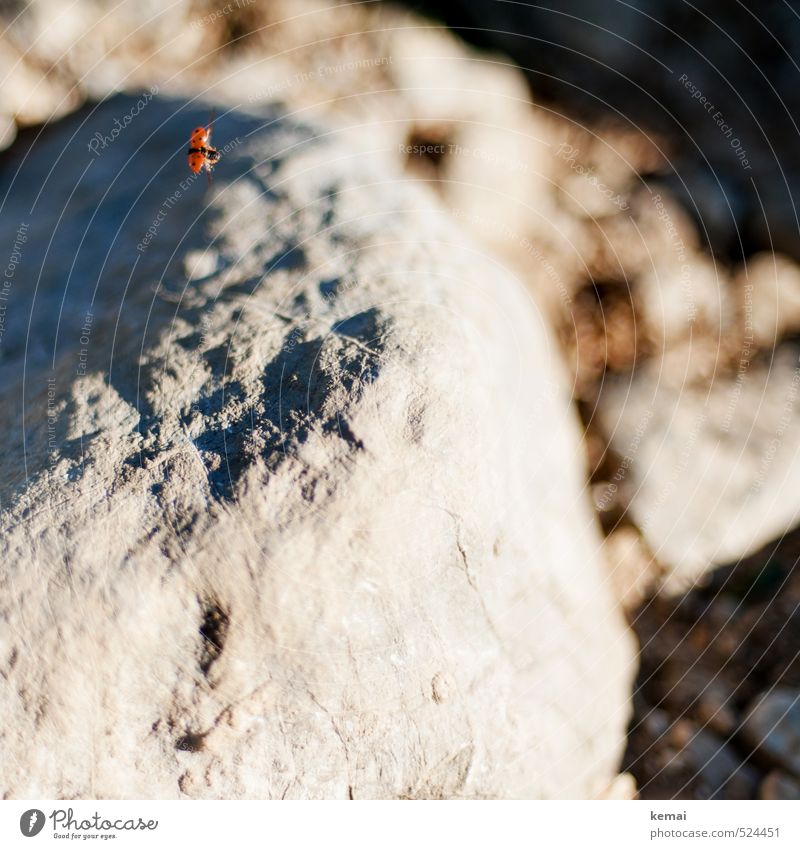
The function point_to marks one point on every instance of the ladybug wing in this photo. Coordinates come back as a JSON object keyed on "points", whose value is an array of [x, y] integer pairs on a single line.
{"points": [[211, 118], [196, 161]]}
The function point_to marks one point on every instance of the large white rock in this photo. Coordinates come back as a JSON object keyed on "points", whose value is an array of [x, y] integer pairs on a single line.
{"points": [[292, 502]]}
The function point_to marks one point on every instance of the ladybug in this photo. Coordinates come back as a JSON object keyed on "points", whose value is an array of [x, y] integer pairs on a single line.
{"points": [[201, 154]]}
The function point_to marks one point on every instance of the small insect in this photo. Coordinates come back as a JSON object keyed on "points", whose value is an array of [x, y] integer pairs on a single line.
{"points": [[201, 153]]}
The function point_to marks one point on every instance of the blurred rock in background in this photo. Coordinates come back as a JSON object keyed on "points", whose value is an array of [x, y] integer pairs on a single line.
{"points": [[716, 81]]}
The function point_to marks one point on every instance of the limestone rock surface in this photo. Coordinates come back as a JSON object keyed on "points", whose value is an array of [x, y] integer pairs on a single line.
{"points": [[290, 499]]}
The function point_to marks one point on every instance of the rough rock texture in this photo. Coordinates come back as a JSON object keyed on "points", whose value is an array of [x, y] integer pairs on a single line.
{"points": [[607, 222], [290, 504]]}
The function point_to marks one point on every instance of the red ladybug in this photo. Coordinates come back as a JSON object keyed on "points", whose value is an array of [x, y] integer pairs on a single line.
{"points": [[201, 153]]}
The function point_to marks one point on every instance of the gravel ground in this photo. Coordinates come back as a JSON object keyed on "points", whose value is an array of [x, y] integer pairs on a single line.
{"points": [[701, 727]]}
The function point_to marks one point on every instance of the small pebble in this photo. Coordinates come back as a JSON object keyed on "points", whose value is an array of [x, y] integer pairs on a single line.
{"points": [[778, 785], [772, 727]]}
